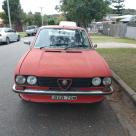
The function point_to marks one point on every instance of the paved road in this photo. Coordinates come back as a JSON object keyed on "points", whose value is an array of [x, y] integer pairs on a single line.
{"points": [[29, 119]]}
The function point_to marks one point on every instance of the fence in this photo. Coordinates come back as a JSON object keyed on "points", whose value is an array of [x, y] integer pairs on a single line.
{"points": [[131, 32], [119, 30]]}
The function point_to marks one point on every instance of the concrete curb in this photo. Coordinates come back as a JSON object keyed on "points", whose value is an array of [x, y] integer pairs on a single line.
{"points": [[130, 92]]}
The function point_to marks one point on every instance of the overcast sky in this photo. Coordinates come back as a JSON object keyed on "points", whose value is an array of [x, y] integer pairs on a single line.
{"points": [[49, 5]]}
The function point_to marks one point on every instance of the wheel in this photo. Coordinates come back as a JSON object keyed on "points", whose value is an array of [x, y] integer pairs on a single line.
{"points": [[18, 39], [33, 34], [7, 40]]}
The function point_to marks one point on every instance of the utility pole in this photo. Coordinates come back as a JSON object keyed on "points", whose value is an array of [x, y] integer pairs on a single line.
{"points": [[9, 17], [42, 14]]}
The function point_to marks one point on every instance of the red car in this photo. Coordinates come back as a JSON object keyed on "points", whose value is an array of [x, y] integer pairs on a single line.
{"points": [[62, 66]]}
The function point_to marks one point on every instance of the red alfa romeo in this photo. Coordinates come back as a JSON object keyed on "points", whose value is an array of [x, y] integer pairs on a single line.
{"points": [[62, 66]]}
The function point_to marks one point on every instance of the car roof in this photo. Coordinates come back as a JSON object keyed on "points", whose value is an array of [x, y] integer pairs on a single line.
{"points": [[5, 28], [63, 27]]}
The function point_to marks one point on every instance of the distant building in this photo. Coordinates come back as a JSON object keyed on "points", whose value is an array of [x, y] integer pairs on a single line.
{"points": [[116, 18]]}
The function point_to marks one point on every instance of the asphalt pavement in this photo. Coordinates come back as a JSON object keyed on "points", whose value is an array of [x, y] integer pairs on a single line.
{"points": [[18, 118]]}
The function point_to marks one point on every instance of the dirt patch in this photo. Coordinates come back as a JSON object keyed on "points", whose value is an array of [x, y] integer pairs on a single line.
{"points": [[124, 108]]}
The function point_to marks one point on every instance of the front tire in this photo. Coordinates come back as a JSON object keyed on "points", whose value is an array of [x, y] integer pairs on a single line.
{"points": [[7, 40], [18, 39]]}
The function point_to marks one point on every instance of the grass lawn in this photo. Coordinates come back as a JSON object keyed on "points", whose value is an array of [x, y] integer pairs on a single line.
{"points": [[102, 38], [122, 62], [22, 34]]}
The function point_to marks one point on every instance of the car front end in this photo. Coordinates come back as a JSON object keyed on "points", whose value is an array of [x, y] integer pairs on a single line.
{"points": [[2, 37], [31, 30], [71, 90], [61, 72]]}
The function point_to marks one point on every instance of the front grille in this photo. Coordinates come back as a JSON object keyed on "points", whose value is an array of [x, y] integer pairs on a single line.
{"points": [[53, 82]]}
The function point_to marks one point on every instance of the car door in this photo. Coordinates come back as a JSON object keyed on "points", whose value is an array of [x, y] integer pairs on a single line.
{"points": [[14, 35], [8, 32]]}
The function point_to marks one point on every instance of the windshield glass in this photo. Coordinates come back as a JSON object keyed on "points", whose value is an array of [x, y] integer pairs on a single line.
{"points": [[31, 27], [62, 38]]}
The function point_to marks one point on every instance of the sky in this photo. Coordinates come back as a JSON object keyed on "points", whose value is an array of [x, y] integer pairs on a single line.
{"points": [[49, 5]]}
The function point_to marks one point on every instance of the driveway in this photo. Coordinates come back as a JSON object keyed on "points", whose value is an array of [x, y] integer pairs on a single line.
{"points": [[116, 45]]}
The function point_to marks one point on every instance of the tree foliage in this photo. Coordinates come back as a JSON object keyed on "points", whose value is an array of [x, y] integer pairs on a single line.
{"points": [[28, 18], [15, 12], [4, 17], [51, 22], [84, 11], [119, 6], [37, 19], [34, 19]]}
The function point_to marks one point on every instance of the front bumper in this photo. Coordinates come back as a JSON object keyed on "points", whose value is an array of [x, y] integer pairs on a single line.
{"points": [[57, 92], [2, 39]]}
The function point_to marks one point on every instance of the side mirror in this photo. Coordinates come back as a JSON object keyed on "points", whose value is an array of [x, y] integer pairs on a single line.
{"points": [[95, 46], [27, 42]]}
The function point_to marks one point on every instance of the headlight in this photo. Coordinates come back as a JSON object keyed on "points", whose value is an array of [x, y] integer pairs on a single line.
{"points": [[32, 80], [20, 80], [107, 81], [96, 81]]}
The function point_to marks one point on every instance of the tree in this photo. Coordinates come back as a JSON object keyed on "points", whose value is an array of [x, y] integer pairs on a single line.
{"points": [[37, 19], [51, 22], [45, 19], [28, 19], [4, 17], [84, 11], [119, 6], [15, 11]]}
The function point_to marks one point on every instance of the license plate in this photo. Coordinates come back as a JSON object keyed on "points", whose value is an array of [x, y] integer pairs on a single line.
{"points": [[60, 97]]}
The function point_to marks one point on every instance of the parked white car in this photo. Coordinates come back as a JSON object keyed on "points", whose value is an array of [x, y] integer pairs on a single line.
{"points": [[8, 35], [31, 30], [67, 23]]}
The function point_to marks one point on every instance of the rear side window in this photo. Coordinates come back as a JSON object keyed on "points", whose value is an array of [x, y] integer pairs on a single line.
{"points": [[31, 27], [7, 30]]}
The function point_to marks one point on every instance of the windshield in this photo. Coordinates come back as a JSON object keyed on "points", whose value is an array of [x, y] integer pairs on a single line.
{"points": [[62, 38], [31, 27]]}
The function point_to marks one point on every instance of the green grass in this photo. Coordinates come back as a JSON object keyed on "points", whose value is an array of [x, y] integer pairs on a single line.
{"points": [[22, 34], [122, 62], [102, 38]]}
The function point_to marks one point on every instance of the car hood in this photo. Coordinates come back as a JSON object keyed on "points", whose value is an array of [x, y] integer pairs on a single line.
{"points": [[86, 63]]}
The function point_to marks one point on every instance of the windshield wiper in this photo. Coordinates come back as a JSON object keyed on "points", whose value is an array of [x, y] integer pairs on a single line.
{"points": [[43, 47], [53, 45], [69, 46]]}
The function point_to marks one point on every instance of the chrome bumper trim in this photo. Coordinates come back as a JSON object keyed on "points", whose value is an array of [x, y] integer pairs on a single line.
{"points": [[47, 92]]}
